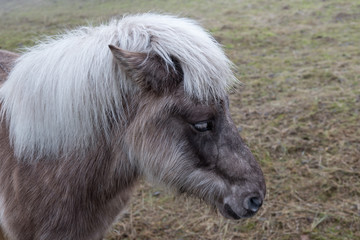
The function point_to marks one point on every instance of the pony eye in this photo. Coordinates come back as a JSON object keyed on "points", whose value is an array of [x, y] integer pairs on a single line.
{"points": [[203, 126]]}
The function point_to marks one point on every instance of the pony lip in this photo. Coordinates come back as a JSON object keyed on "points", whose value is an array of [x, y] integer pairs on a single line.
{"points": [[227, 212], [230, 212], [101, 107]]}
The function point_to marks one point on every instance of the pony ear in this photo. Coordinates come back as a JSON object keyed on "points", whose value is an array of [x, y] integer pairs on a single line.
{"points": [[149, 71]]}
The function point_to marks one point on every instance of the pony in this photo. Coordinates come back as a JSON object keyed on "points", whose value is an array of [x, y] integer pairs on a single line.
{"points": [[87, 113]]}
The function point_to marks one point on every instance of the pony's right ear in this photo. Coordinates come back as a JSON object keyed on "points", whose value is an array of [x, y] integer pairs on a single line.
{"points": [[149, 71], [130, 61]]}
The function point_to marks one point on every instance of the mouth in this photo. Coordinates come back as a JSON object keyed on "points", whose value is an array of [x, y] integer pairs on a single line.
{"points": [[231, 212], [228, 212]]}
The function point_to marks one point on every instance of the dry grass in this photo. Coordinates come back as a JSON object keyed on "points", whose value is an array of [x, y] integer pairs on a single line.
{"points": [[298, 110]]}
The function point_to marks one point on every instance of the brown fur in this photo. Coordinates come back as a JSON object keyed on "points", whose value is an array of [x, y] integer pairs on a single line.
{"points": [[44, 184], [7, 60], [78, 197], [51, 196], [2, 237]]}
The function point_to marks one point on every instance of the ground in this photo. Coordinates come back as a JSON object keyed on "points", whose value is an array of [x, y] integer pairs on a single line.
{"points": [[298, 109]]}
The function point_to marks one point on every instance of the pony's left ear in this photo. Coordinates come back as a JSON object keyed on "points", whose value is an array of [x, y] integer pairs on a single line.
{"points": [[149, 71]]}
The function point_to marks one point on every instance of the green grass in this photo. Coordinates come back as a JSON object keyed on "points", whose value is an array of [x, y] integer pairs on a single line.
{"points": [[299, 108]]}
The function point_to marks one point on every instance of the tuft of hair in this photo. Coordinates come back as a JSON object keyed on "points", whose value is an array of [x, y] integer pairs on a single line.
{"points": [[60, 94]]}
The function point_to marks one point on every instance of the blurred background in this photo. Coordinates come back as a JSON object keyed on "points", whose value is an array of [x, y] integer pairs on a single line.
{"points": [[298, 110]]}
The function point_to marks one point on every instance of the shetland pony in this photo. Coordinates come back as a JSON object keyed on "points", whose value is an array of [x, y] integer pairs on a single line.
{"points": [[87, 113]]}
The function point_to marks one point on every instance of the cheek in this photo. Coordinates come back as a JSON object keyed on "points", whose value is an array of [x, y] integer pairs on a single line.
{"points": [[204, 148], [173, 139]]}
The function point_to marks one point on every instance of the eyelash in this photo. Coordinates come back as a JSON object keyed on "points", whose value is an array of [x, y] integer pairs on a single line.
{"points": [[203, 126]]}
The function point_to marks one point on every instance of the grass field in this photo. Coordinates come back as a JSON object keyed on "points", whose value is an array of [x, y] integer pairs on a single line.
{"points": [[298, 109]]}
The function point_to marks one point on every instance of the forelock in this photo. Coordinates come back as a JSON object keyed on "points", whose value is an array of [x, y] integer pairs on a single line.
{"points": [[207, 72]]}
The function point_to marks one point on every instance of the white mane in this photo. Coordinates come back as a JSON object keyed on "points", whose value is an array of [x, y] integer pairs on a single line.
{"points": [[59, 95]]}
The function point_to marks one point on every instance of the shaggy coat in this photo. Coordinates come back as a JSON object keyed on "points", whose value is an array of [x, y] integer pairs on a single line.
{"points": [[87, 113]]}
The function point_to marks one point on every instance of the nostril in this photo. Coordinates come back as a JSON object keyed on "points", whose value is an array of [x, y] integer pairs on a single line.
{"points": [[254, 203]]}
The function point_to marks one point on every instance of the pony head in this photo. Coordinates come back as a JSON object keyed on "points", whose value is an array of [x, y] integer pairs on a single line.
{"points": [[153, 90]]}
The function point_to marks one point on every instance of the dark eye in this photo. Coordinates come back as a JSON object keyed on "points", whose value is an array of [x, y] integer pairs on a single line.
{"points": [[203, 126]]}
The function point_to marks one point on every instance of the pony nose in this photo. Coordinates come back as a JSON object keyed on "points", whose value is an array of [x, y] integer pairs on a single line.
{"points": [[253, 203]]}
